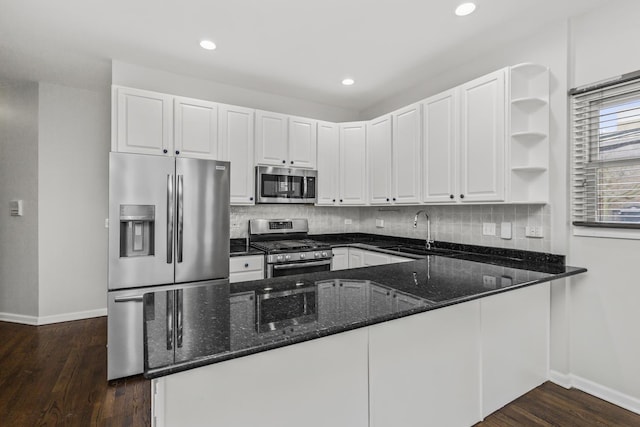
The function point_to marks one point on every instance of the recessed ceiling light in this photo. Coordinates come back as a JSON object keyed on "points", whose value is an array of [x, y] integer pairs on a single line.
{"points": [[348, 82], [465, 9], [207, 44]]}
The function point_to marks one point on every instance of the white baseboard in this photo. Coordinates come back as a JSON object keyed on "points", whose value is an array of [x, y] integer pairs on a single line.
{"points": [[563, 380], [598, 390], [18, 318], [56, 318]]}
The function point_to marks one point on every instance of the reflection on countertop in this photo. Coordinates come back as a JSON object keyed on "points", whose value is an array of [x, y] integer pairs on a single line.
{"points": [[272, 313]]}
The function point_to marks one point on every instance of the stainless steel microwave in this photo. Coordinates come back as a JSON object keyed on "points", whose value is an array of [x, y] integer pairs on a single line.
{"points": [[285, 185]]}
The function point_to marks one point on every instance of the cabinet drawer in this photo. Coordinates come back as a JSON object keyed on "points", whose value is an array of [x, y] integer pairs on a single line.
{"points": [[246, 263]]}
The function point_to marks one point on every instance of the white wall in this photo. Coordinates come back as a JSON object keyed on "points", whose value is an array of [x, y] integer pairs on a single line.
{"points": [[125, 74], [605, 314], [19, 180], [73, 190]]}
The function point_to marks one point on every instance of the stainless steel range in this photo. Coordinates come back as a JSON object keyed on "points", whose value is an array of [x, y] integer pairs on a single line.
{"points": [[288, 248]]}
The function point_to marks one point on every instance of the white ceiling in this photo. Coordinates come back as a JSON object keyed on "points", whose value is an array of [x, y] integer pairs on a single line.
{"points": [[296, 48]]}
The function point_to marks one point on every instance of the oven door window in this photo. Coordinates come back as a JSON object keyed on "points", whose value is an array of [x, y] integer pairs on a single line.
{"points": [[286, 310], [283, 186]]}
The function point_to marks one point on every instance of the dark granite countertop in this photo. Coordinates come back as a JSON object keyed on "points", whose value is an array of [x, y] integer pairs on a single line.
{"points": [[227, 321], [240, 247]]}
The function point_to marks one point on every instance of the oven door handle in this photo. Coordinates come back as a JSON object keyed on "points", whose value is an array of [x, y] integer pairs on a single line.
{"points": [[300, 264]]}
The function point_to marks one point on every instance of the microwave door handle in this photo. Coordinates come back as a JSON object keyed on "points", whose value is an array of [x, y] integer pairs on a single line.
{"points": [[170, 208], [180, 240], [300, 264]]}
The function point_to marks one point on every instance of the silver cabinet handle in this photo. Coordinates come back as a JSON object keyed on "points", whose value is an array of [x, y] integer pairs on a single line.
{"points": [[180, 318], [170, 205], [180, 218], [169, 320], [129, 299], [301, 265]]}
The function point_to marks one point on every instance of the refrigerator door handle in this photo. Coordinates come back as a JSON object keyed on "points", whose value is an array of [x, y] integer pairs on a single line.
{"points": [[170, 207], [179, 318], [128, 299], [180, 219], [169, 320]]}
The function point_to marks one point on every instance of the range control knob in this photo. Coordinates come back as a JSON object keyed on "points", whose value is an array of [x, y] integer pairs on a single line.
{"points": [[303, 256], [317, 254], [287, 257], [279, 258], [324, 254]]}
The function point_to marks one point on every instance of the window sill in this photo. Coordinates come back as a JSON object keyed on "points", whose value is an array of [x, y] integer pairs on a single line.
{"points": [[611, 233]]}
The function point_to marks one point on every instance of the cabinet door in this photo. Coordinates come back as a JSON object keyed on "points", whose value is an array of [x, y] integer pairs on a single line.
{"points": [[242, 316], [379, 157], [353, 151], [328, 163], [440, 145], [144, 122], [196, 128], [302, 142], [236, 146], [407, 155], [482, 136], [356, 258], [374, 258], [340, 259], [271, 138]]}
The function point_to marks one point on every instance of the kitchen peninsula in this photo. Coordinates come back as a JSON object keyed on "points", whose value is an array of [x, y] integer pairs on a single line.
{"points": [[442, 340]]}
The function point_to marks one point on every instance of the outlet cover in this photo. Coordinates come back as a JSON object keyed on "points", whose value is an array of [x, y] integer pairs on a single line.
{"points": [[489, 228], [348, 221], [533, 231], [505, 230], [380, 223]]}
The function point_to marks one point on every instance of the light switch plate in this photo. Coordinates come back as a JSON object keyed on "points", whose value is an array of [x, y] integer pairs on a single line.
{"points": [[347, 221], [489, 228], [16, 207], [505, 230]]}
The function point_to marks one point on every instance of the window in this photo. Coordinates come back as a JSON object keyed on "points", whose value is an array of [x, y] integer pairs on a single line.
{"points": [[606, 153]]}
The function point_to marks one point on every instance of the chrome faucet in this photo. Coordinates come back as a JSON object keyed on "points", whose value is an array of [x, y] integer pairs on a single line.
{"points": [[429, 241]]}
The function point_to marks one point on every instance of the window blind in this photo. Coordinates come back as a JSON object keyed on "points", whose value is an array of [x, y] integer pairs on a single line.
{"points": [[606, 154]]}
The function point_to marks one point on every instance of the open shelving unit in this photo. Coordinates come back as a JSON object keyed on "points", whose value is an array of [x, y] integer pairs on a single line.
{"points": [[528, 131]]}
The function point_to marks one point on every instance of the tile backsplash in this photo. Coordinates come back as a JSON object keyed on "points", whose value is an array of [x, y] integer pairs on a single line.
{"points": [[457, 224]]}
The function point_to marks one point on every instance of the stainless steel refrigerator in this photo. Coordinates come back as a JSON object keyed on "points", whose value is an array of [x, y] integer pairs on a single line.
{"points": [[168, 229]]}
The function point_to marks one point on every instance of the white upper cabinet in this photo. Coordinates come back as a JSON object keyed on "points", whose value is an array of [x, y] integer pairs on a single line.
{"points": [[379, 136], [236, 132], [142, 121], [441, 161], [407, 155], [271, 138], [328, 164], [283, 140], [482, 139], [353, 151], [196, 128], [302, 142]]}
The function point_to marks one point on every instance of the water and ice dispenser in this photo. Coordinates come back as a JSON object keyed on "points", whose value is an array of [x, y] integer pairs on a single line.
{"points": [[137, 230]]}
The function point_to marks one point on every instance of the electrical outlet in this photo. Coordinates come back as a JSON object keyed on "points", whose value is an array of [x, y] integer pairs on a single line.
{"points": [[533, 231], [505, 230], [106, 223], [347, 221], [380, 223], [489, 228]]}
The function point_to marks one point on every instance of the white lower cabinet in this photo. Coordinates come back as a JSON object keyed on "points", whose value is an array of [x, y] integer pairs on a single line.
{"points": [[244, 268], [356, 258], [317, 383], [515, 344], [340, 259], [425, 370]]}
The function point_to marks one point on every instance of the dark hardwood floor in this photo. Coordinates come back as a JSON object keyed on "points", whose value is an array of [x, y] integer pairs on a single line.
{"points": [[55, 375]]}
